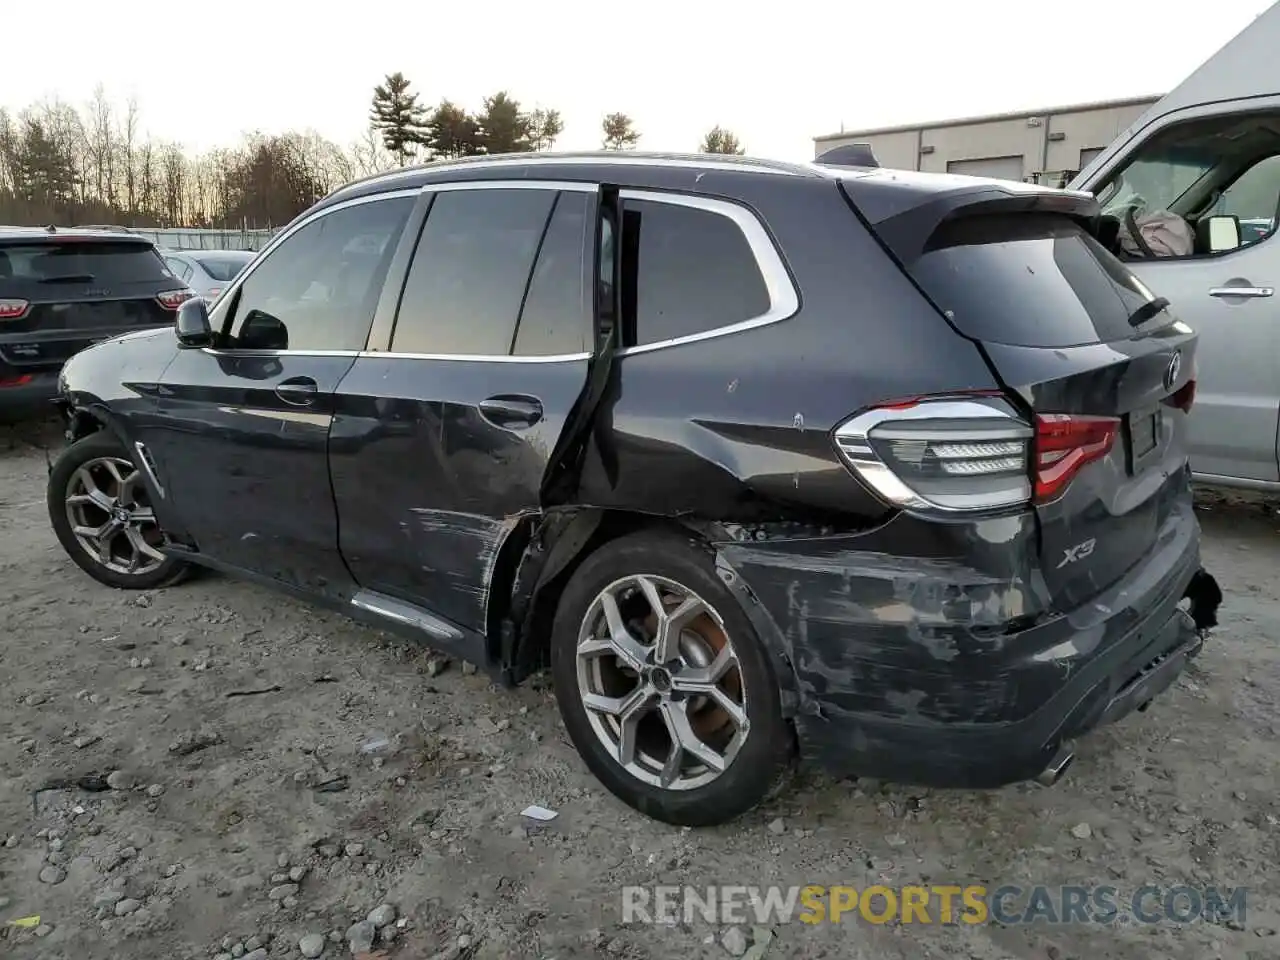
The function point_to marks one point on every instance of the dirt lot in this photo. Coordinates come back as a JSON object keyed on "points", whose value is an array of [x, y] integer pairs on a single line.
{"points": [[254, 737]]}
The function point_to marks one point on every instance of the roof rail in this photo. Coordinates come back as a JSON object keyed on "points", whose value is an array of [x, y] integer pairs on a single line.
{"points": [[613, 157]]}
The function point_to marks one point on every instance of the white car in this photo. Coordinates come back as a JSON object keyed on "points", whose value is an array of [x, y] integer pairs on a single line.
{"points": [[207, 272]]}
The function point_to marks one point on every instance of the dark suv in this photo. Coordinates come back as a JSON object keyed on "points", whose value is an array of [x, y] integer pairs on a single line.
{"points": [[61, 290], [888, 468]]}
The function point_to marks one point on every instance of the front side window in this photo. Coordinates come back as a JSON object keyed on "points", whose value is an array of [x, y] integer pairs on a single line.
{"points": [[1253, 199], [496, 272], [318, 289], [685, 270]]}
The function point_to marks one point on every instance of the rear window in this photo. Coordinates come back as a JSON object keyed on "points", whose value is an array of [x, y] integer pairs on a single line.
{"points": [[1029, 280], [93, 262], [223, 268]]}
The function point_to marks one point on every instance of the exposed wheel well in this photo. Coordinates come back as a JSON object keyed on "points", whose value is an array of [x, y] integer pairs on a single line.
{"points": [[82, 423], [582, 534]]}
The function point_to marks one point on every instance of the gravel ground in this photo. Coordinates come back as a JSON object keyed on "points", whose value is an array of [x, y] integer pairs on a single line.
{"points": [[278, 772]]}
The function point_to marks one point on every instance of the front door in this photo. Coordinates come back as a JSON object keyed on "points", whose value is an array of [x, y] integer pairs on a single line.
{"points": [[241, 441], [1232, 428], [440, 444], [1217, 159]]}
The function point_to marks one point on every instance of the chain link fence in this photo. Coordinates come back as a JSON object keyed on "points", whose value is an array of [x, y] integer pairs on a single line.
{"points": [[184, 239]]}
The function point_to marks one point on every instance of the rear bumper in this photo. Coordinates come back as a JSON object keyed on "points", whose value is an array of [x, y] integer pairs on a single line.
{"points": [[923, 671], [30, 400]]}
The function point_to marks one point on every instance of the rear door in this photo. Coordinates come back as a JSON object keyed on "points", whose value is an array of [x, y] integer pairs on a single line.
{"points": [[60, 294], [442, 437], [1100, 363]]}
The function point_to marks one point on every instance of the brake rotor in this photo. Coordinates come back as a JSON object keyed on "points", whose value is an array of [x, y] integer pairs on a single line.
{"points": [[700, 643]]}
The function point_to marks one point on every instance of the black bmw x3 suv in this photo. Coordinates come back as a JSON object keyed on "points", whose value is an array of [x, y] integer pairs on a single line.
{"points": [[885, 470]]}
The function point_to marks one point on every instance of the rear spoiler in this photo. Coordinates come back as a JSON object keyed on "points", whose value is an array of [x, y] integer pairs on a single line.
{"points": [[905, 209]]}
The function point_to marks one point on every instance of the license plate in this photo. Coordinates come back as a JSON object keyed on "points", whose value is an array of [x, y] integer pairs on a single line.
{"points": [[1144, 433]]}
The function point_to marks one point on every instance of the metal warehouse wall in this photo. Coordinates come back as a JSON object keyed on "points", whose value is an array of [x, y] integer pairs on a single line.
{"points": [[1021, 146]]}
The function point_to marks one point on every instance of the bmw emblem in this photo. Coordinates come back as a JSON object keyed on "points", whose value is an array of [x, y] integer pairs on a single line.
{"points": [[1174, 369]]}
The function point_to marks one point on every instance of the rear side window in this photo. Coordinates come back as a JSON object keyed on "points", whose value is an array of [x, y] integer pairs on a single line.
{"points": [[180, 270], [222, 269], [685, 270], [473, 288], [94, 263], [1029, 280]]}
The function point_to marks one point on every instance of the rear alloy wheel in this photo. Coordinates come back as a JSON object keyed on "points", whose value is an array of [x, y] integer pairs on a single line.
{"points": [[100, 508], [663, 684]]}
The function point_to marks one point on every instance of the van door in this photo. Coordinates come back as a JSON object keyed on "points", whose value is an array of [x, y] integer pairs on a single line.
{"points": [[1230, 108], [1198, 168]]}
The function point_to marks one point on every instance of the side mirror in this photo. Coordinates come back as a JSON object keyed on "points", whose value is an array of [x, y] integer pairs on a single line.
{"points": [[1224, 233], [192, 326], [262, 331]]}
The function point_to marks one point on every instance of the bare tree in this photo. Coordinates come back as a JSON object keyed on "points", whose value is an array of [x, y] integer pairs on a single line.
{"points": [[128, 147], [99, 137], [369, 154]]}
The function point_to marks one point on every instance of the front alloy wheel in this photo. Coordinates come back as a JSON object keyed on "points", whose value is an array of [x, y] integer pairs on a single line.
{"points": [[110, 514], [101, 510]]}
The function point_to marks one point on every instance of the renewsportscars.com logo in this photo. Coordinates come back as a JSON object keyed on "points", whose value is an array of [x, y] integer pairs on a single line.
{"points": [[943, 904]]}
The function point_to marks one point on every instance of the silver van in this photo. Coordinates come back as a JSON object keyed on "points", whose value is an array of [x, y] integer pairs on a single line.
{"points": [[1210, 152]]}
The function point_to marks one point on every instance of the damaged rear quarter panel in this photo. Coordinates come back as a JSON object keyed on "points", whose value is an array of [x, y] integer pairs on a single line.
{"points": [[908, 619]]}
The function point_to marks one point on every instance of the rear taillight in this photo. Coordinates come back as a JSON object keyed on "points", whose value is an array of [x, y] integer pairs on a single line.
{"points": [[13, 309], [948, 453], [18, 381], [212, 295], [969, 453], [173, 299], [1065, 444]]}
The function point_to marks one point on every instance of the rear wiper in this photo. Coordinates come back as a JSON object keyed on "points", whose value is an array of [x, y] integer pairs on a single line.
{"points": [[1147, 311], [70, 278]]}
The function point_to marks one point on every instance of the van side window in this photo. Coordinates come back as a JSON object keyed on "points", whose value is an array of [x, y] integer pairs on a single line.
{"points": [[685, 270], [1253, 198]]}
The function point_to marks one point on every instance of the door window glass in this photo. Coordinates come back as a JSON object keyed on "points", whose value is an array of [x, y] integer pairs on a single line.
{"points": [[554, 319], [1253, 198], [318, 289], [470, 272]]}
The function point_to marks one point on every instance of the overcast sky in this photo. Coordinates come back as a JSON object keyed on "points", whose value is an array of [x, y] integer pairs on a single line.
{"points": [[776, 74]]}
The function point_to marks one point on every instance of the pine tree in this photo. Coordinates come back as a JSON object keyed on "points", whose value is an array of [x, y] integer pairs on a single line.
{"points": [[397, 115]]}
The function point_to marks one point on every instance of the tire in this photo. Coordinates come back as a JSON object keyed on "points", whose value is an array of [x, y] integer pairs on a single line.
{"points": [[677, 566], [96, 455]]}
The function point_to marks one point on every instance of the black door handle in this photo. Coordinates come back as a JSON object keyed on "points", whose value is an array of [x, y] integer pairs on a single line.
{"points": [[512, 412], [299, 391]]}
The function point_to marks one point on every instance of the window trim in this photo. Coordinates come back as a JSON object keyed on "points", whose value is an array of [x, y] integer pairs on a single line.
{"points": [[229, 294], [784, 300]]}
